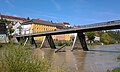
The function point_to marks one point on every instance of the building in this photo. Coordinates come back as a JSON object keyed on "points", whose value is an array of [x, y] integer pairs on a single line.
{"points": [[63, 36], [17, 29], [72, 35], [97, 39], [66, 24], [3, 33], [15, 22], [38, 25], [14, 19]]}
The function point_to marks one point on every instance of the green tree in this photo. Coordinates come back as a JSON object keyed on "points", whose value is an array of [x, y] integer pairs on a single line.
{"points": [[28, 18], [115, 35], [91, 36], [9, 30], [106, 39], [5, 21]]}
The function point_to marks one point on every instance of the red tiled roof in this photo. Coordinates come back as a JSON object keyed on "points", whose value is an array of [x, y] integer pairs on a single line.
{"points": [[13, 17], [64, 23]]}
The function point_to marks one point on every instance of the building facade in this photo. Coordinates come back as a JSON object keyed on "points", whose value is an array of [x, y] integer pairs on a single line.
{"points": [[14, 19], [63, 36], [15, 22], [37, 26]]}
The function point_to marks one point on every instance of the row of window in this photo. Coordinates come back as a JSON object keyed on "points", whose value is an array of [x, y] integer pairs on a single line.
{"points": [[42, 29], [43, 26]]}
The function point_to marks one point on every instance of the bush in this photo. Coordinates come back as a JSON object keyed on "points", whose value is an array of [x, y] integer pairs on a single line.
{"points": [[106, 39], [18, 59], [67, 43], [60, 43], [116, 70], [1, 46], [118, 57]]}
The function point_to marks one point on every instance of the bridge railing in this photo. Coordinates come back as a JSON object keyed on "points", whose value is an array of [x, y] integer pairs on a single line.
{"points": [[109, 23], [102, 24]]}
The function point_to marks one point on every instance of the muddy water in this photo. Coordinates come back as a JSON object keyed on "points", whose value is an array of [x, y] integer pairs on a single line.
{"points": [[98, 59]]}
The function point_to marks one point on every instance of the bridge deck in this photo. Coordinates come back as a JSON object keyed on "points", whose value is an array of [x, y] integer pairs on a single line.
{"points": [[87, 28]]}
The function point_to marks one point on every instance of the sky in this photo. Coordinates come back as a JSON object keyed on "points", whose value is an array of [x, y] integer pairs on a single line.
{"points": [[75, 12]]}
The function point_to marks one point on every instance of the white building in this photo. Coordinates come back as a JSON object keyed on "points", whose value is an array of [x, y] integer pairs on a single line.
{"points": [[26, 29], [17, 29], [97, 38], [14, 19]]}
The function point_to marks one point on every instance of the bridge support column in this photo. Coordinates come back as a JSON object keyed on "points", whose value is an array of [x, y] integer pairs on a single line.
{"points": [[33, 43], [21, 40], [79, 40], [48, 41], [81, 37], [18, 39]]}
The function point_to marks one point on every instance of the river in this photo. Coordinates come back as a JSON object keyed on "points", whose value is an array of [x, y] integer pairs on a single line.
{"points": [[100, 58]]}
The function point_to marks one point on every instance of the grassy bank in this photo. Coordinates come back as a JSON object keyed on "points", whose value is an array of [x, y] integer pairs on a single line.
{"points": [[116, 70], [15, 58]]}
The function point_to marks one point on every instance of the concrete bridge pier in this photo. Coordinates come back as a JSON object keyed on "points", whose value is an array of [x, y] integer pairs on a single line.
{"points": [[81, 37], [18, 39], [23, 41], [33, 43], [79, 41], [48, 41]]}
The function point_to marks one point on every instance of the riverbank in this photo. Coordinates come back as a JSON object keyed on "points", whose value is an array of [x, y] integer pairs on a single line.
{"points": [[100, 58], [16, 58]]}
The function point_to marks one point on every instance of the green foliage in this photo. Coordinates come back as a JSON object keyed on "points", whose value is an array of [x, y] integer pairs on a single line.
{"points": [[28, 18], [115, 35], [106, 39], [17, 58], [60, 43], [67, 43], [5, 21], [1, 45], [90, 35], [118, 57], [10, 30], [95, 43], [116, 70]]}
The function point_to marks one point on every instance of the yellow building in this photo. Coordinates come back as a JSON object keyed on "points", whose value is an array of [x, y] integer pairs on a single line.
{"points": [[37, 26]]}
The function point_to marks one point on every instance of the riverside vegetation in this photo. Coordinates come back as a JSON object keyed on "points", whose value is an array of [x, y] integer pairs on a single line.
{"points": [[15, 58], [108, 37]]}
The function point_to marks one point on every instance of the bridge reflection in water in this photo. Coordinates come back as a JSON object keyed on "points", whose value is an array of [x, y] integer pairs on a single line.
{"points": [[98, 59]]}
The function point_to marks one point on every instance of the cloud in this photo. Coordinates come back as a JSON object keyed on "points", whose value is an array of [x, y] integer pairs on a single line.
{"points": [[108, 15], [58, 7], [49, 16], [9, 3]]}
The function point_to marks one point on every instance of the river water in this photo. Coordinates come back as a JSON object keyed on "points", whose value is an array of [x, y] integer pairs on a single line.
{"points": [[100, 58]]}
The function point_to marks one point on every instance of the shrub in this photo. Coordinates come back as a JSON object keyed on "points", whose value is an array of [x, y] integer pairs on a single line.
{"points": [[0, 46], [15, 58], [116, 70], [67, 43], [106, 39], [19, 59], [60, 43], [118, 57]]}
